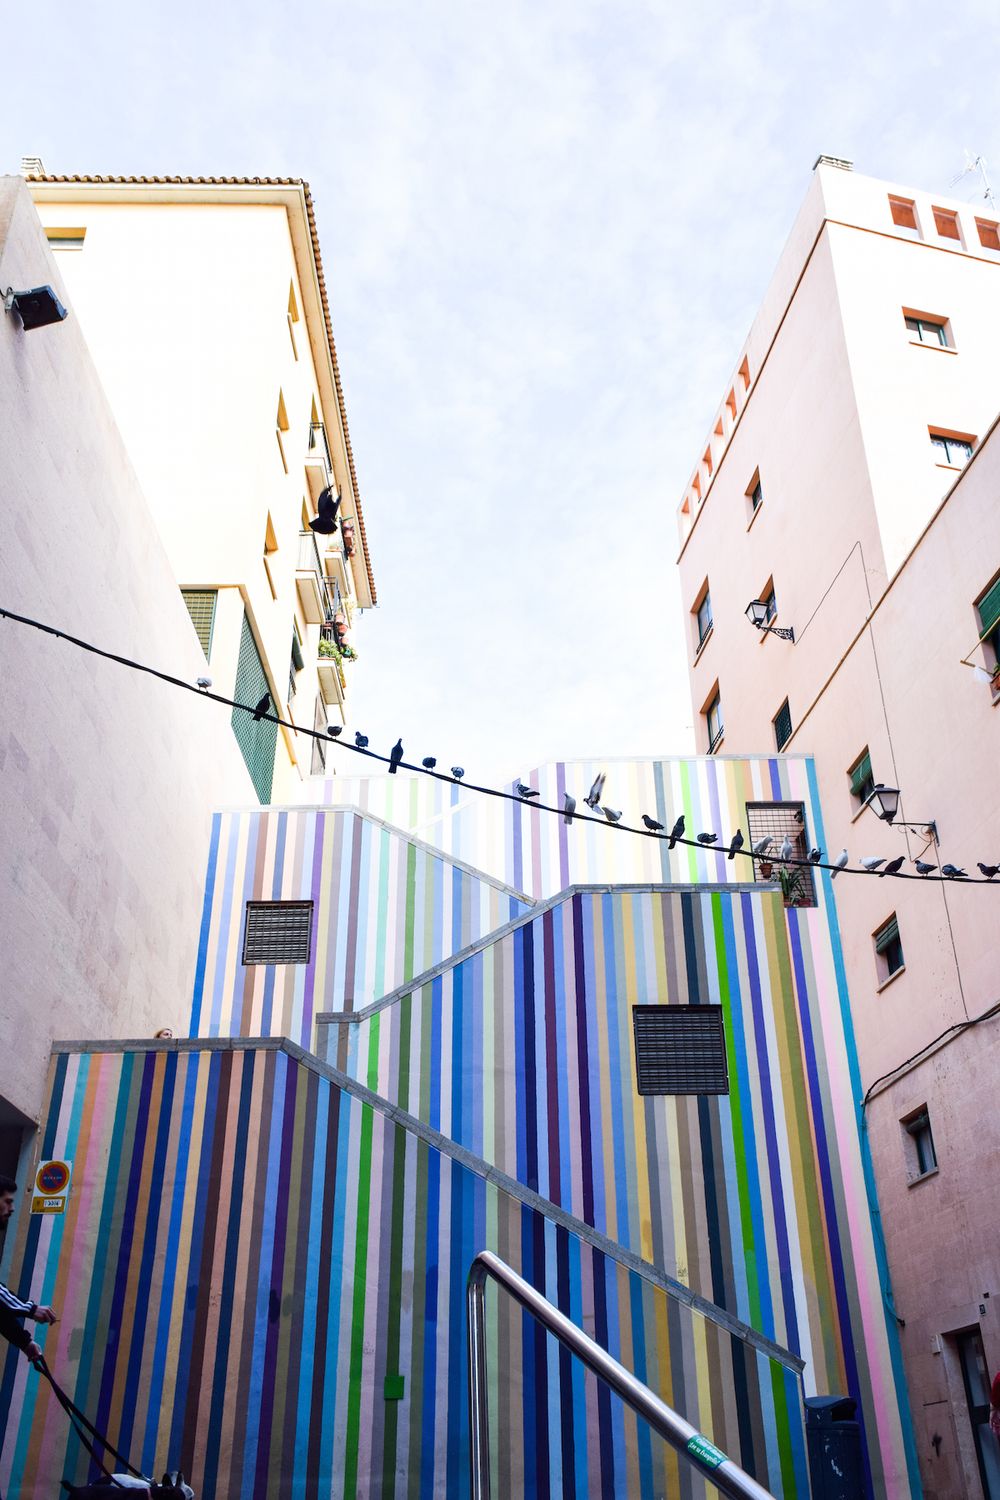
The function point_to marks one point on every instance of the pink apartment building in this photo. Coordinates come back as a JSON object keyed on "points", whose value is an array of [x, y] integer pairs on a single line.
{"points": [[851, 484]]}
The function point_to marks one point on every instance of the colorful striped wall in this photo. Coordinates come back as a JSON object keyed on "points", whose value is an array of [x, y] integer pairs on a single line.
{"points": [[524, 1053], [251, 1252], [387, 907]]}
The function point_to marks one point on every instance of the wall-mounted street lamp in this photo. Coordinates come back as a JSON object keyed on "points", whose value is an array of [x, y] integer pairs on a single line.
{"points": [[757, 613], [884, 803], [35, 308]]}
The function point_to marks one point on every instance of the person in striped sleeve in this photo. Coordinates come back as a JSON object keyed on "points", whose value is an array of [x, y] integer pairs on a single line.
{"points": [[13, 1308]]}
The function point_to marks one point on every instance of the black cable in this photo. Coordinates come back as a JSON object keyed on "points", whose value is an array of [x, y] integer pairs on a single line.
{"points": [[486, 791], [986, 1015]]}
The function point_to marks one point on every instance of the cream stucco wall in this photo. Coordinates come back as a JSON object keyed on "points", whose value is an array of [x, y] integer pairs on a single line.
{"points": [[107, 777]]}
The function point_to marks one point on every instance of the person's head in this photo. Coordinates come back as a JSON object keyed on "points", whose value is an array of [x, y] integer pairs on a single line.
{"points": [[8, 1187]]}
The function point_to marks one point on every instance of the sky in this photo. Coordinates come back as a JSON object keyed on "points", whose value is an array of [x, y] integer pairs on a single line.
{"points": [[546, 229]]}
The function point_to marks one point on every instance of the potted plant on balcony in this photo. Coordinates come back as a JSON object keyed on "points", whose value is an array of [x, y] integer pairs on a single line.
{"points": [[347, 532], [793, 890]]}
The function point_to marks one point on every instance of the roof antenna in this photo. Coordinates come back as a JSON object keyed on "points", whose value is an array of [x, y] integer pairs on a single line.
{"points": [[974, 164]]}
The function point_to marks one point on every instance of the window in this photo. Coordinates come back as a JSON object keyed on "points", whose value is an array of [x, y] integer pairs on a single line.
{"points": [[744, 374], [281, 426], [780, 821], [201, 607], [65, 239], [713, 721], [953, 452], [988, 608], [706, 459], [293, 317], [755, 495], [680, 1049], [319, 747], [904, 213], [918, 1143], [783, 725], [928, 330], [946, 223], [277, 932], [731, 403], [770, 602], [297, 663], [270, 548], [989, 234], [257, 738], [703, 615], [888, 949], [862, 780]]}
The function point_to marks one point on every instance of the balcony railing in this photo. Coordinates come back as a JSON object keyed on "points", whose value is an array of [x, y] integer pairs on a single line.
{"points": [[311, 580], [318, 443]]}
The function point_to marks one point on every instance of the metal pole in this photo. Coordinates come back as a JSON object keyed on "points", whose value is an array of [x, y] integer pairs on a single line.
{"points": [[710, 1462]]}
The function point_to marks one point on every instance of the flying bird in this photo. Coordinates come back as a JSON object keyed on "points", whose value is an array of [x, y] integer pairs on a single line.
{"points": [[262, 707], [652, 824], [334, 730], [923, 868], [395, 756], [593, 797], [325, 522], [204, 683], [815, 855], [787, 848], [707, 838], [611, 815], [569, 807], [677, 832], [458, 772], [871, 865], [954, 873], [839, 863], [892, 867], [361, 740], [762, 845], [988, 870], [524, 791], [736, 844], [429, 762]]}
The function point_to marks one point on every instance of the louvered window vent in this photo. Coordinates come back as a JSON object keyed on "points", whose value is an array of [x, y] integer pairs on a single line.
{"points": [[278, 932], [680, 1049]]}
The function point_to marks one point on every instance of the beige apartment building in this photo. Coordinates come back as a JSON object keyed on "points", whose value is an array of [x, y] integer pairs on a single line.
{"points": [[204, 306], [850, 485]]}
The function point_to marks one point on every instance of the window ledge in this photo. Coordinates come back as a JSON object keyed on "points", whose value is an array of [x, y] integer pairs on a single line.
{"points": [[941, 348], [857, 815], [894, 975], [755, 515], [704, 641], [923, 1177], [952, 468]]}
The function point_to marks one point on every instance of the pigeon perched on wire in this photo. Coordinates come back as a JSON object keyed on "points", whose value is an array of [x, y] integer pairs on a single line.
{"points": [[593, 797], [815, 855], [262, 708], [762, 845], [787, 848], [325, 522], [395, 756], [361, 740], [611, 815], [708, 838], [204, 683], [569, 807], [988, 870], [871, 865], [892, 867], [524, 791], [839, 863], [736, 845], [458, 772], [677, 832], [334, 730], [429, 762], [652, 824], [954, 873], [923, 868]]}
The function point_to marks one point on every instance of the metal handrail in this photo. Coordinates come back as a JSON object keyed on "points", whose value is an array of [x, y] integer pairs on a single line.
{"points": [[709, 1461]]}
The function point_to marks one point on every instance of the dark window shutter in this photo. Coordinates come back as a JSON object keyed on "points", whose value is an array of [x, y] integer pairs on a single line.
{"points": [[277, 932], [783, 725], [860, 773], [680, 1049], [201, 607], [886, 935], [989, 609], [257, 739]]}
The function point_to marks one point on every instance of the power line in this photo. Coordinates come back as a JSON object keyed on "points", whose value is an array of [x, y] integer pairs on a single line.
{"points": [[485, 791]]}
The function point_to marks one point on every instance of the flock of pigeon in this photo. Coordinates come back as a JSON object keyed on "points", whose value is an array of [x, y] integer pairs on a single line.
{"points": [[762, 849]]}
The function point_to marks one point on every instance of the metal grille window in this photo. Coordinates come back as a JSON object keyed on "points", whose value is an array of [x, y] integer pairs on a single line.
{"points": [[257, 739], [201, 607], [862, 781], [888, 948], [704, 614], [680, 1049], [955, 452], [778, 821], [713, 723], [783, 725], [278, 932]]}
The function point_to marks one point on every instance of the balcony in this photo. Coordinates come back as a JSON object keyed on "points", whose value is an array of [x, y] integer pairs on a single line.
{"points": [[311, 580], [319, 464], [331, 674]]}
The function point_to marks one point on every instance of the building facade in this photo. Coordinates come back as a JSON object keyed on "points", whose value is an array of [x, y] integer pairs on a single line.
{"points": [[205, 308], [849, 485]]}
